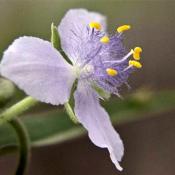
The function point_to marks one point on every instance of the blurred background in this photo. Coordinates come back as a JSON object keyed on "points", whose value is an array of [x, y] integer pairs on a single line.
{"points": [[150, 140]]}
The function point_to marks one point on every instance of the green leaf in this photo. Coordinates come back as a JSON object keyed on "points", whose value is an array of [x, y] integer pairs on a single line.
{"points": [[55, 126]]}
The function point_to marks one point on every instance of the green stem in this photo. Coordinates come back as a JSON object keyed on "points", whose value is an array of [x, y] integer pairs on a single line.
{"points": [[24, 145], [17, 109], [70, 113]]}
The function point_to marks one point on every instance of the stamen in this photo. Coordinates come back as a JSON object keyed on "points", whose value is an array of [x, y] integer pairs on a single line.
{"points": [[136, 56], [135, 64], [136, 53], [95, 25], [105, 39], [111, 72], [138, 49], [123, 28], [90, 57], [122, 60]]}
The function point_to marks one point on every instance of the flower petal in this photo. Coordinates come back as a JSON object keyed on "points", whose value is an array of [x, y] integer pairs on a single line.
{"points": [[96, 120], [38, 69], [73, 26]]}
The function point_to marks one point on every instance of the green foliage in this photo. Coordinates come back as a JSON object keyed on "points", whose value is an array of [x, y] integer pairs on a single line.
{"points": [[55, 127], [7, 91]]}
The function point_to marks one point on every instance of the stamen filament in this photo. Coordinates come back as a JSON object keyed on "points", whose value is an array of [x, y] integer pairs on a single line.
{"points": [[91, 57], [122, 60], [127, 68]]}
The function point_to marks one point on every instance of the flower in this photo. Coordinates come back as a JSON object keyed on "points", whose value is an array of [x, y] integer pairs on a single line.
{"points": [[98, 60]]}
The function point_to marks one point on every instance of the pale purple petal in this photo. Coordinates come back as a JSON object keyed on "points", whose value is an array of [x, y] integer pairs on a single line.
{"points": [[38, 69], [73, 26], [96, 120]]}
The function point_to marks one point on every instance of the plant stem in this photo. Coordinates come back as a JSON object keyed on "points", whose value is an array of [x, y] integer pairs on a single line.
{"points": [[70, 113], [24, 145], [17, 109]]}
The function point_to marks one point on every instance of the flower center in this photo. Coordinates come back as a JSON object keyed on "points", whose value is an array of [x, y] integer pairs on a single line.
{"points": [[83, 72], [102, 58]]}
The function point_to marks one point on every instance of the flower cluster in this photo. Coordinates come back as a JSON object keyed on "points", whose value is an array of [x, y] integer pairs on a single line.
{"points": [[99, 60]]}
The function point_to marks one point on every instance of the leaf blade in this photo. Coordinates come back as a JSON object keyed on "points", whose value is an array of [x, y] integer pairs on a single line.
{"points": [[55, 127]]}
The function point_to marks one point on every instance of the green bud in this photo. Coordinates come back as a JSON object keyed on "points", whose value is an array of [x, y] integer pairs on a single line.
{"points": [[55, 39]]}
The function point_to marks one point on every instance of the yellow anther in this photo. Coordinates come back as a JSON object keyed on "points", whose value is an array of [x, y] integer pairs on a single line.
{"points": [[95, 25], [136, 56], [136, 64], [136, 53], [123, 28], [111, 72], [138, 49], [105, 39]]}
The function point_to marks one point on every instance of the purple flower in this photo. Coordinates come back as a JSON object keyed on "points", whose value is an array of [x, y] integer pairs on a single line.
{"points": [[98, 61]]}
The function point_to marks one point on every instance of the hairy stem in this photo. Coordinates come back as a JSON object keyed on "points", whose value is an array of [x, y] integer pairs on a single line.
{"points": [[17, 109], [24, 145]]}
